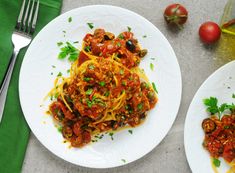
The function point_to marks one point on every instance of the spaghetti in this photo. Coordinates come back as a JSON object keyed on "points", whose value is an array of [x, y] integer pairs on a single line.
{"points": [[104, 91]]}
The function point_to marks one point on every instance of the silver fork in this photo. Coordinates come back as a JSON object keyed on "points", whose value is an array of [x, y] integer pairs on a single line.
{"points": [[21, 38]]}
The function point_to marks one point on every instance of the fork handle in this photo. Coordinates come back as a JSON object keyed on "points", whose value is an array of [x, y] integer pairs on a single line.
{"points": [[6, 81]]}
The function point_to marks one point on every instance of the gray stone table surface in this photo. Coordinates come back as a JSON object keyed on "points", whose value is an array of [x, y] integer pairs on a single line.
{"points": [[197, 62]]}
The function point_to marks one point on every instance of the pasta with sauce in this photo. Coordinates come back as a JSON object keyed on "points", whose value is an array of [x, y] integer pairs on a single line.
{"points": [[105, 91]]}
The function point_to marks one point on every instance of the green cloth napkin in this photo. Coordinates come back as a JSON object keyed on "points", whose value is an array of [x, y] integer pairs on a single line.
{"points": [[14, 131]]}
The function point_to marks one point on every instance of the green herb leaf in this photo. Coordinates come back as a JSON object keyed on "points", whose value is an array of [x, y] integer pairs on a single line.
{"points": [[233, 96], [91, 67], [87, 48], [111, 135], [216, 162], [70, 51], [59, 43], [118, 44], [140, 106], [211, 104], [102, 83], [130, 131], [129, 29], [56, 95], [87, 79], [89, 103], [62, 55], [123, 160], [73, 56], [60, 129], [59, 74], [76, 42], [53, 66], [151, 66], [154, 87], [106, 94], [121, 71], [89, 91], [68, 71], [91, 25], [121, 36], [70, 19], [144, 36]]}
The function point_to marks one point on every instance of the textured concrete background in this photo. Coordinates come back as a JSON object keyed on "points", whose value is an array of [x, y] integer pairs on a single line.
{"points": [[197, 62]]}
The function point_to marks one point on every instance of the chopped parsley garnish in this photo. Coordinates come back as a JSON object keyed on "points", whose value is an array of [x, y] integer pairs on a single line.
{"points": [[121, 36], [53, 66], [151, 66], [129, 29], [154, 87], [68, 71], [144, 36], [111, 135], [130, 131], [70, 19], [59, 74], [89, 103], [216, 162], [140, 106], [118, 44], [68, 51], [233, 96], [123, 160], [91, 25], [89, 91], [59, 129], [76, 42], [87, 48], [124, 83], [91, 67], [214, 109], [106, 94], [87, 79], [56, 95], [121, 71], [51, 73], [102, 83], [59, 43], [99, 137], [64, 31]]}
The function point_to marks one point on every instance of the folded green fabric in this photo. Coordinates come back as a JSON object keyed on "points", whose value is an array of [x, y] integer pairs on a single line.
{"points": [[14, 131]]}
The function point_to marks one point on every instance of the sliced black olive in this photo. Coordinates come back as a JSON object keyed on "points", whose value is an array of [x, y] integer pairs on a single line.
{"points": [[130, 46], [208, 125], [143, 52]]}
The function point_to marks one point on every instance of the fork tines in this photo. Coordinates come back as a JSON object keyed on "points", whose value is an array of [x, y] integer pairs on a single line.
{"points": [[28, 16]]}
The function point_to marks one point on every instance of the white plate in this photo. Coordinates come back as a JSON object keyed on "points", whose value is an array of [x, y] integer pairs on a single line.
{"points": [[220, 84], [36, 80]]}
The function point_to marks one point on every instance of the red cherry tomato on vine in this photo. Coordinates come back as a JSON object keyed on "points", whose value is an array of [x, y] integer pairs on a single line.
{"points": [[176, 14], [209, 32]]}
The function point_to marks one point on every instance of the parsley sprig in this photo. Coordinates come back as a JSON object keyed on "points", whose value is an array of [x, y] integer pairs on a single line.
{"points": [[69, 51], [214, 109]]}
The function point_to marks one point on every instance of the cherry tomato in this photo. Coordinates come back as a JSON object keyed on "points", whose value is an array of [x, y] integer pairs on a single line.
{"points": [[176, 14], [209, 32]]}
